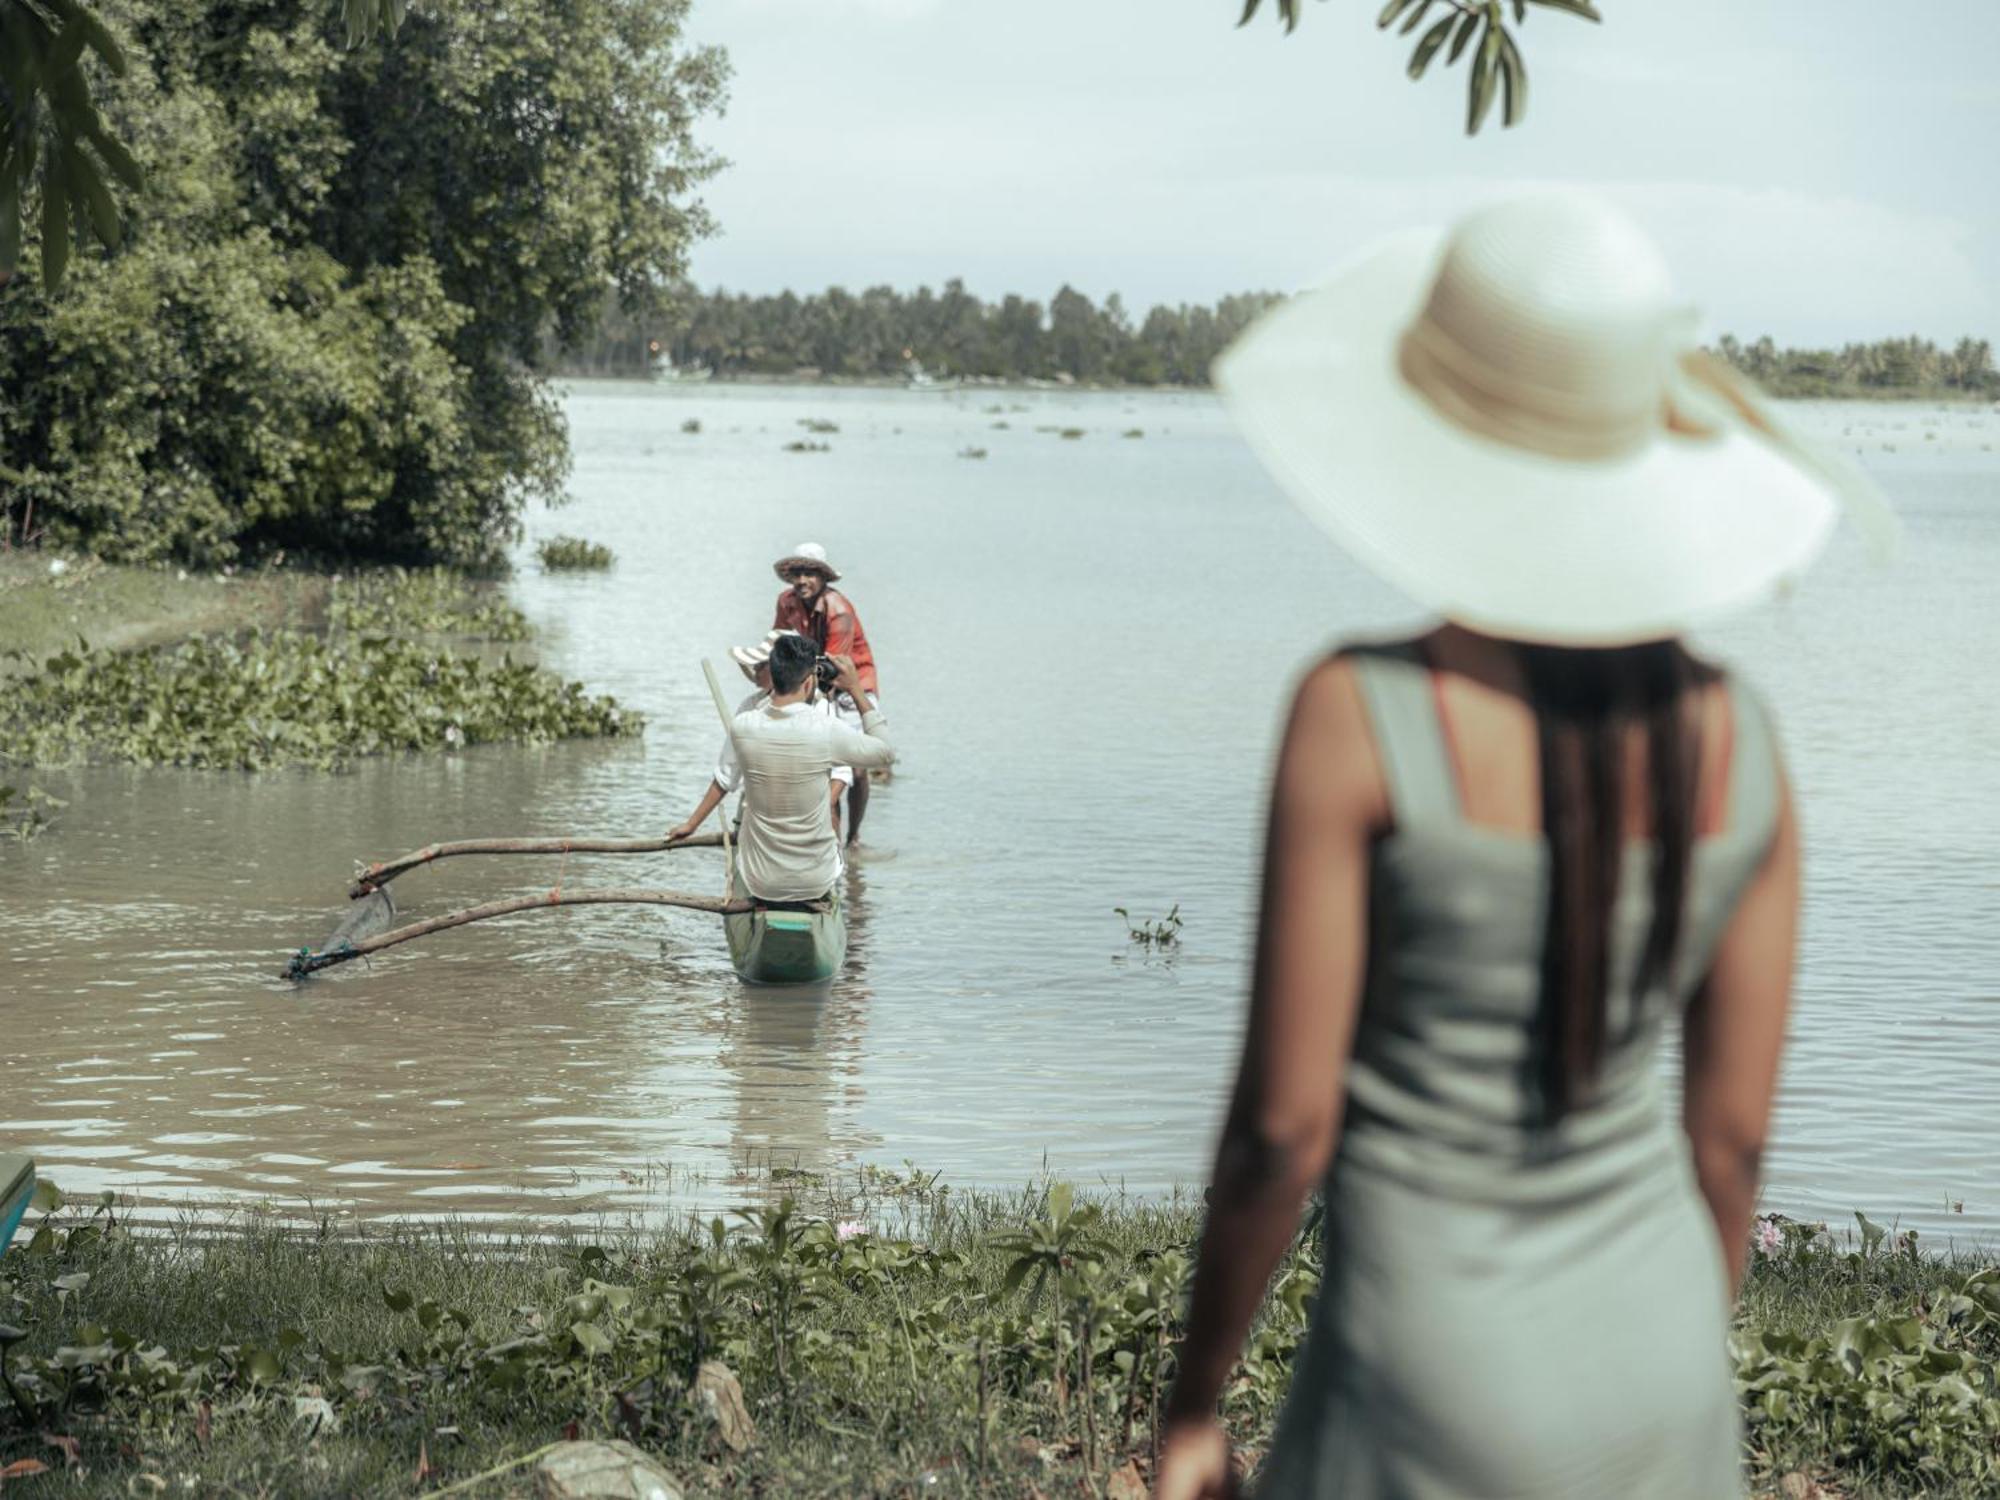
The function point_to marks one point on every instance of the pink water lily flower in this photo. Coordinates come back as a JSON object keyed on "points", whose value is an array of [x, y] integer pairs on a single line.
{"points": [[847, 1229], [1769, 1236]]}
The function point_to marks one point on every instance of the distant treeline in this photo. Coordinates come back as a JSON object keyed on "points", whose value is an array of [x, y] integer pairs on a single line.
{"points": [[881, 332], [1888, 367]]}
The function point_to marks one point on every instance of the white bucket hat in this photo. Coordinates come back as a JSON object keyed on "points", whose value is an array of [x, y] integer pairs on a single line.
{"points": [[806, 555], [1512, 424], [750, 658]]}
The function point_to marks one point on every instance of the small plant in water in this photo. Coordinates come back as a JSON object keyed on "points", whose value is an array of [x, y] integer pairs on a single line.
{"points": [[972, 453], [572, 554], [29, 818], [1153, 934], [691, 425], [1072, 432], [799, 446], [818, 424], [1135, 432]]}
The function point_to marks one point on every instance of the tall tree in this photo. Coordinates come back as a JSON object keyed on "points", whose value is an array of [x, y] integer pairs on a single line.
{"points": [[346, 269]]}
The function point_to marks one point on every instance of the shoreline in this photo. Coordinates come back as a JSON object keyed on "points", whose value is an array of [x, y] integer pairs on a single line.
{"points": [[884, 1336], [1941, 396]]}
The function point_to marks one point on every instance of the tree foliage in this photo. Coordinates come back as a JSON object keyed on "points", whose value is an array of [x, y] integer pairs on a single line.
{"points": [[1474, 28], [948, 332], [343, 272]]}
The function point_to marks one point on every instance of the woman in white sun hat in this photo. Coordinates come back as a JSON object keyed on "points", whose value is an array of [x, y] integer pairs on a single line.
{"points": [[1505, 858]]}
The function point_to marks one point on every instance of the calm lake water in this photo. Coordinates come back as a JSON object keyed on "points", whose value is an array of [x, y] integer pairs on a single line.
{"points": [[1086, 647]]}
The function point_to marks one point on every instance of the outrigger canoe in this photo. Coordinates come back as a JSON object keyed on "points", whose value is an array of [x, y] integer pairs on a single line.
{"points": [[789, 942], [17, 1191]]}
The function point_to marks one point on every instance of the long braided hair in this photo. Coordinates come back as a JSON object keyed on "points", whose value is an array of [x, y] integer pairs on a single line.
{"points": [[1585, 702]]}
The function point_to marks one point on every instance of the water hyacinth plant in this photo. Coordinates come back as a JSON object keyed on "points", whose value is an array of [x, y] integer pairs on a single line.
{"points": [[286, 698], [25, 815], [1154, 934], [572, 554], [422, 601]]}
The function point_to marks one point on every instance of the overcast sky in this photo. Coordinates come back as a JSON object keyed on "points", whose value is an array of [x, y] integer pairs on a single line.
{"points": [[1819, 172]]}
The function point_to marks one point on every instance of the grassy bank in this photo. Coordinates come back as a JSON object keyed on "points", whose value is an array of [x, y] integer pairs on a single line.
{"points": [[44, 609], [895, 1338], [273, 668]]}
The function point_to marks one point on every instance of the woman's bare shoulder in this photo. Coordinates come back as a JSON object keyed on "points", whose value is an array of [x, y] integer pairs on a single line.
{"points": [[1329, 764]]}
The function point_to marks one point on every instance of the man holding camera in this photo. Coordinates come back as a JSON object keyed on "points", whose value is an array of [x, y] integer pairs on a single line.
{"points": [[784, 752], [813, 607], [755, 663]]}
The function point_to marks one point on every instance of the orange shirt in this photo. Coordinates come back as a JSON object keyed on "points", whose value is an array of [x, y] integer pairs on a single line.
{"points": [[833, 626]]}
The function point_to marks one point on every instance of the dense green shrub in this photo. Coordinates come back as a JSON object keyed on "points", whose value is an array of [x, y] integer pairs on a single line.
{"points": [[323, 331]]}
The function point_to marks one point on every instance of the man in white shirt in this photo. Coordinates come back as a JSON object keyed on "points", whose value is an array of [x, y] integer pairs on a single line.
{"points": [[755, 664], [787, 850]]}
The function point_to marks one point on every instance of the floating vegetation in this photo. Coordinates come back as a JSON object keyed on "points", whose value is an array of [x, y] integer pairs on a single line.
{"points": [[818, 424], [285, 698], [1133, 432], [1002, 427], [1071, 432], [25, 815], [422, 601], [1153, 935], [800, 446], [972, 453], [691, 425], [572, 554]]}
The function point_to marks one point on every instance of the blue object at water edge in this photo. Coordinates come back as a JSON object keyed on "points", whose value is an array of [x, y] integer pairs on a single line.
{"points": [[17, 1189]]}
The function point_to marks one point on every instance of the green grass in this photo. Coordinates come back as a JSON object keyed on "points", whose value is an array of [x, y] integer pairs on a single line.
{"points": [[961, 1344], [111, 606]]}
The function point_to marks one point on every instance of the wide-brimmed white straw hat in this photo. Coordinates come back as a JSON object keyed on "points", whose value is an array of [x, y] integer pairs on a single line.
{"points": [[1512, 424], [806, 555]]}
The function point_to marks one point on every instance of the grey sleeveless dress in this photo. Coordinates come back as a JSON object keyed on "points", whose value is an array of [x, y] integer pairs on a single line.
{"points": [[1509, 1310]]}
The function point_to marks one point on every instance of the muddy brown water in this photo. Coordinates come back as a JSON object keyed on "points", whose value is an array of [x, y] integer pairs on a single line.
{"points": [[1085, 647]]}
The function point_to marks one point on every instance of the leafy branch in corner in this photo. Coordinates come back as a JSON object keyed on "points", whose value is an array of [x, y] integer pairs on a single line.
{"points": [[53, 137], [1497, 69]]}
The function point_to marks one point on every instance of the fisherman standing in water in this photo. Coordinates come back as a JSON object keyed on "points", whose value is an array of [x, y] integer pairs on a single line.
{"points": [[813, 607]]}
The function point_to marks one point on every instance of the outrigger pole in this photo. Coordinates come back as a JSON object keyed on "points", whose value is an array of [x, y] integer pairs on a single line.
{"points": [[371, 878], [306, 962]]}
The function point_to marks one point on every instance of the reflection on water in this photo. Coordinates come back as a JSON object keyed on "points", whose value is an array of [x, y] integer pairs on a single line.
{"points": [[1085, 647]]}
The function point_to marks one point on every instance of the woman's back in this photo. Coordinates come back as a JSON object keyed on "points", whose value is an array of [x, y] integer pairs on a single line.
{"points": [[1443, 1078], [1469, 1236]]}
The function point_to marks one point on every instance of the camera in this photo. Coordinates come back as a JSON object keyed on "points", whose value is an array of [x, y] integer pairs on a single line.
{"points": [[827, 672]]}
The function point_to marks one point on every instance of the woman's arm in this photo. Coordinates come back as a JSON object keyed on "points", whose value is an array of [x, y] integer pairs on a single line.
{"points": [[1735, 1032], [1327, 805]]}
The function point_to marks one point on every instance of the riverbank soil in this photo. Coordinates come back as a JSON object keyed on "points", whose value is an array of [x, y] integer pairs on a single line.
{"points": [[47, 601]]}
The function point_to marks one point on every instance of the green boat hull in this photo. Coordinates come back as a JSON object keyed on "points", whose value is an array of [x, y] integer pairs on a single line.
{"points": [[787, 947]]}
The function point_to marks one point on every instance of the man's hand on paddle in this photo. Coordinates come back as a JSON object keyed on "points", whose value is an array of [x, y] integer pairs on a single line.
{"points": [[681, 830]]}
